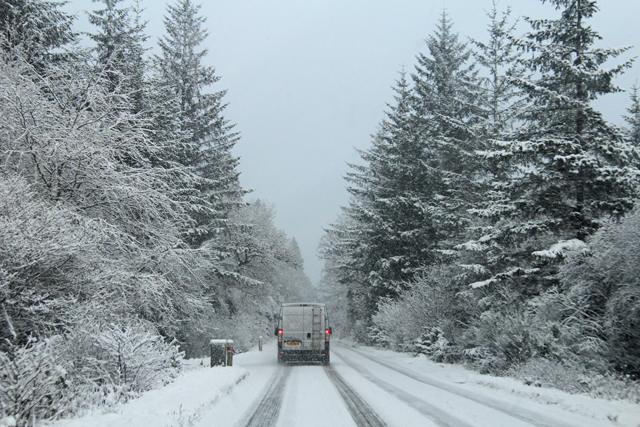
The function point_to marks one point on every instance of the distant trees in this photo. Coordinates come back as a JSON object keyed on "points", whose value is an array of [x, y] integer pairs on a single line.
{"points": [[478, 193]]}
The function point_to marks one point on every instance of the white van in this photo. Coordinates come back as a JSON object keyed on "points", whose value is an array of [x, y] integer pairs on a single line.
{"points": [[303, 333]]}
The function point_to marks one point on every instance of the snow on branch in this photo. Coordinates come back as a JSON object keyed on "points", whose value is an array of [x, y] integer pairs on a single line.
{"points": [[561, 248]]}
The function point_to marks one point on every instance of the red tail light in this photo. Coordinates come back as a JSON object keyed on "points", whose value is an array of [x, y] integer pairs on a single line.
{"points": [[279, 331], [326, 331]]}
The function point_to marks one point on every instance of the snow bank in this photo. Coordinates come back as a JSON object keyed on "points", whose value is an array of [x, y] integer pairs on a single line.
{"points": [[605, 412], [180, 403], [203, 396]]}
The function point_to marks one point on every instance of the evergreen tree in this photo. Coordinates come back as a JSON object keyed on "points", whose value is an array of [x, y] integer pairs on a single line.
{"points": [[191, 124], [502, 103], [119, 48], [633, 119], [36, 27], [450, 120], [390, 236], [566, 168], [499, 57], [446, 87], [573, 164], [407, 206]]}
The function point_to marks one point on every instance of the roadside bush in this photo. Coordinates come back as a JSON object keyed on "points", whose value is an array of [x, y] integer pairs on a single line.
{"points": [[118, 360], [95, 363], [437, 347], [602, 285], [33, 381], [432, 301], [574, 377]]}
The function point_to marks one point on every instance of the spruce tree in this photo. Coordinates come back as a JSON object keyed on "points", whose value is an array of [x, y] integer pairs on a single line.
{"points": [[500, 59], [564, 169], [36, 27], [502, 103], [191, 124], [386, 235], [119, 48], [633, 119], [572, 165], [449, 120], [407, 203]]}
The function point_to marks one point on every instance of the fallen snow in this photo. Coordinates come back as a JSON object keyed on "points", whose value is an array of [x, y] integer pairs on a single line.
{"points": [[205, 396], [603, 412]]}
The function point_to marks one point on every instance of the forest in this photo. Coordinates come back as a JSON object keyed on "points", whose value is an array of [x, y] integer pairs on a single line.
{"points": [[491, 222], [125, 240], [492, 219]]}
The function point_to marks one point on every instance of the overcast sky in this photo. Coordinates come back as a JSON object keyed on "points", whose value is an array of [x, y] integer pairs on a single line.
{"points": [[308, 81]]}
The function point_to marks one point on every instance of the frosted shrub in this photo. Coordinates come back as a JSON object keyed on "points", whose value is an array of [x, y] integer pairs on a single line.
{"points": [[574, 377], [433, 301], [33, 382], [377, 337], [434, 344], [602, 285], [118, 361], [505, 336], [394, 324]]}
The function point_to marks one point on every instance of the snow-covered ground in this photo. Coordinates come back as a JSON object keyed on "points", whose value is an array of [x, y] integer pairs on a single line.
{"points": [[401, 389]]}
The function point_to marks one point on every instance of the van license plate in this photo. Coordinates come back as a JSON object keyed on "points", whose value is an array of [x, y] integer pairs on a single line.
{"points": [[292, 343]]}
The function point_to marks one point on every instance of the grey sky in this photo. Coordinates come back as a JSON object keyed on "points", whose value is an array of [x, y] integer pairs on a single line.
{"points": [[308, 81]]}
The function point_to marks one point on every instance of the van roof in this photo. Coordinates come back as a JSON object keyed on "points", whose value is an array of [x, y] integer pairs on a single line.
{"points": [[303, 304]]}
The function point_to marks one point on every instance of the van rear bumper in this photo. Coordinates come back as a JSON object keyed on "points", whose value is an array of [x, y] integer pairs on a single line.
{"points": [[303, 355]]}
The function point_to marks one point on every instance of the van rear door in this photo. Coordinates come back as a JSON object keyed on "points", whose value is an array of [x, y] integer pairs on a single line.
{"points": [[303, 327]]}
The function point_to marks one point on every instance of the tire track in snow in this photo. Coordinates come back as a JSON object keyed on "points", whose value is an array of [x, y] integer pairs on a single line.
{"points": [[266, 411], [536, 419], [363, 415], [435, 414]]}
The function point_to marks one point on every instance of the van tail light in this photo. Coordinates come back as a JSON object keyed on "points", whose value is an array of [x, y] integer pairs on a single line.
{"points": [[279, 336], [326, 331]]}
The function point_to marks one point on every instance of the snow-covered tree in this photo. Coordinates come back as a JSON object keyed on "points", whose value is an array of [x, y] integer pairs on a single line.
{"points": [[502, 104], [563, 170], [500, 59], [266, 254], [382, 234], [408, 202], [633, 119], [119, 51], [191, 124], [564, 167], [343, 278], [449, 119], [573, 165], [70, 153], [36, 27]]}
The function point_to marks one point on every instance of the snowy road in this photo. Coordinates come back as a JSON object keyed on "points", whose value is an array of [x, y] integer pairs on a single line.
{"points": [[313, 395], [363, 388], [439, 403]]}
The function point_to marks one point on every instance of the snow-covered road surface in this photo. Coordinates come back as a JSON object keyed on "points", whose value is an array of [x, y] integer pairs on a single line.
{"points": [[362, 387]]}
